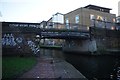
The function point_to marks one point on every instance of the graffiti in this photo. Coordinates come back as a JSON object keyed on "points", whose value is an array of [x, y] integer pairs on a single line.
{"points": [[8, 40], [19, 40], [33, 47], [24, 25], [12, 41]]}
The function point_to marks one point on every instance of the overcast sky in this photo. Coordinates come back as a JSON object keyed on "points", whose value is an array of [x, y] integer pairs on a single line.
{"points": [[39, 10]]}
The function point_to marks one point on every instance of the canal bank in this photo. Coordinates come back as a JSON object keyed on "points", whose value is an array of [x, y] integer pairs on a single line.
{"points": [[52, 67]]}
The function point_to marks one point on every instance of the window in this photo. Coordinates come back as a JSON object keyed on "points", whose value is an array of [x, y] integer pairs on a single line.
{"points": [[101, 9], [114, 20], [109, 25], [67, 23], [118, 20], [100, 18], [88, 27], [100, 24], [92, 19], [92, 16], [92, 23], [77, 19], [105, 19]]}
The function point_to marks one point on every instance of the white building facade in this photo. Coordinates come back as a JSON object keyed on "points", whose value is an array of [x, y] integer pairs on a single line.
{"points": [[118, 18]]}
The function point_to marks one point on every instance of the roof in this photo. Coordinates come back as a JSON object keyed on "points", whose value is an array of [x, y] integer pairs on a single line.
{"points": [[58, 13], [94, 6]]}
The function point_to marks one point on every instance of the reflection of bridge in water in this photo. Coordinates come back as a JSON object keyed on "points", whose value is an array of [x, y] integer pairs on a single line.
{"points": [[79, 38]]}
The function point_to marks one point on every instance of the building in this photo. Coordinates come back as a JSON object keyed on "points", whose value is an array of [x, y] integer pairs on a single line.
{"points": [[58, 18], [118, 22], [118, 19], [90, 15], [56, 22], [119, 8]]}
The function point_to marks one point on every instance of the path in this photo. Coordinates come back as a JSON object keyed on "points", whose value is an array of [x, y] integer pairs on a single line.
{"points": [[52, 68]]}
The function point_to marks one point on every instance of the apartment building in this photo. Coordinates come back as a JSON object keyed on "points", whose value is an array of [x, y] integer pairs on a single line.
{"points": [[118, 17], [56, 22], [118, 22], [83, 18], [119, 8], [90, 15]]}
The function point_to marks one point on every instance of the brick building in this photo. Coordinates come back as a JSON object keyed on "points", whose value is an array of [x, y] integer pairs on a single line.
{"points": [[89, 16]]}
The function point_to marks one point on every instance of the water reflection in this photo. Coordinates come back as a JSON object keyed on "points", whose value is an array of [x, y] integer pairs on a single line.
{"points": [[50, 53], [93, 66]]}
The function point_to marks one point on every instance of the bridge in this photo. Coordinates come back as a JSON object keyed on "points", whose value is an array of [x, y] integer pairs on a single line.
{"points": [[75, 36], [34, 28]]}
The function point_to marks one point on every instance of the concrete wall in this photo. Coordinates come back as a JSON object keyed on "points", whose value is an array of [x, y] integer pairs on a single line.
{"points": [[80, 46], [95, 45], [106, 39], [16, 43]]}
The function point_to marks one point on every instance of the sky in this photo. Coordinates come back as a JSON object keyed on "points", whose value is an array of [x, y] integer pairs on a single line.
{"points": [[39, 10]]}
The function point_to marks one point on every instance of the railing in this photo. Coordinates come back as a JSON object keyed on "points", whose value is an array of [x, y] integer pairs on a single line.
{"points": [[69, 26], [79, 27], [37, 27]]}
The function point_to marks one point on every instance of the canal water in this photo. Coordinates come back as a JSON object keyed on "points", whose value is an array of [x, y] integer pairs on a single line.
{"points": [[100, 67]]}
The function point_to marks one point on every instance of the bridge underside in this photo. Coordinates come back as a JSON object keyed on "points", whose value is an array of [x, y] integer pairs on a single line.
{"points": [[65, 37], [80, 46]]}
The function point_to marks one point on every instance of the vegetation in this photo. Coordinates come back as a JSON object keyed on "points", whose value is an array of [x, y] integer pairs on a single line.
{"points": [[12, 67]]}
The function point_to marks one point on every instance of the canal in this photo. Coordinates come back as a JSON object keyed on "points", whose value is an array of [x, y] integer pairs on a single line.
{"points": [[100, 67]]}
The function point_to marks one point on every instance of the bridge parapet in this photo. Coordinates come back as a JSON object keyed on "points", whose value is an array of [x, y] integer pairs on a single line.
{"points": [[68, 26], [16, 27]]}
